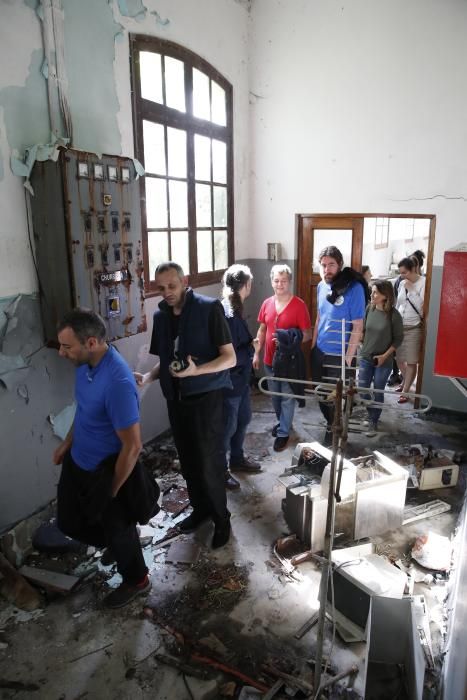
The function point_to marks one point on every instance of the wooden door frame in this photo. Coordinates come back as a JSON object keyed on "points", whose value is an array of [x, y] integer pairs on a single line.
{"points": [[303, 245]]}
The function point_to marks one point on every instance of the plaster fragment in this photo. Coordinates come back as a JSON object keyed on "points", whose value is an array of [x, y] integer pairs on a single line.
{"points": [[132, 8], [17, 166], [139, 168], [11, 363], [164, 22], [62, 422], [23, 392], [45, 69]]}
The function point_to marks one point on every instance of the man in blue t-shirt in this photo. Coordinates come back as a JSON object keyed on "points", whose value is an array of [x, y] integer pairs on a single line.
{"points": [[338, 327], [100, 452]]}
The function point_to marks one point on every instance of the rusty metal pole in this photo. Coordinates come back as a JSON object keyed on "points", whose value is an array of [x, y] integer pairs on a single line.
{"points": [[323, 590]]}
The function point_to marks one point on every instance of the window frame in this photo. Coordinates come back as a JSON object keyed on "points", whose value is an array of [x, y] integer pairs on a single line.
{"points": [[143, 109]]}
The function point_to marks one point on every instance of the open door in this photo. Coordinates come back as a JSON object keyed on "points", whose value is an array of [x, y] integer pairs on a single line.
{"points": [[379, 240], [315, 233]]}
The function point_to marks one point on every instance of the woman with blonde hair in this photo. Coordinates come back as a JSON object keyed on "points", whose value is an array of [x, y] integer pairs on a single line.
{"points": [[382, 335]]}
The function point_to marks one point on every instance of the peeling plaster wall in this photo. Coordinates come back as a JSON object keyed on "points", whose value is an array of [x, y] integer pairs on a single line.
{"points": [[23, 121], [365, 100], [97, 63]]}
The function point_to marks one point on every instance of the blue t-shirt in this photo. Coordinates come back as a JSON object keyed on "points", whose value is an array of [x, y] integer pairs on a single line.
{"points": [[350, 306], [107, 400]]}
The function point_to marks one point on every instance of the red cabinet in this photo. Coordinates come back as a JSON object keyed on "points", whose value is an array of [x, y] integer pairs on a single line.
{"points": [[451, 344]]}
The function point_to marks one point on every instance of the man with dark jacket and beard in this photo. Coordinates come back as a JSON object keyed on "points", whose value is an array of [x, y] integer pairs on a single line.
{"points": [[342, 297], [193, 341]]}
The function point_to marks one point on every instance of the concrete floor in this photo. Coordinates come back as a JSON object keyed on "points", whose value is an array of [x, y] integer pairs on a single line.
{"points": [[75, 649]]}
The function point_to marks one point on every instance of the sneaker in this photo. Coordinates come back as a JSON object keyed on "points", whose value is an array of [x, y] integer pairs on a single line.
{"points": [[108, 557], [125, 593], [280, 443], [192, 522], [231, 482], [246, 464], [394, 379], [372, 430], [221, 534], [275, 429]]}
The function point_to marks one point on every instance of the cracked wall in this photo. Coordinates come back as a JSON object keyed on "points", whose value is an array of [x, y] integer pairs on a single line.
{"points": [[34, 382]]}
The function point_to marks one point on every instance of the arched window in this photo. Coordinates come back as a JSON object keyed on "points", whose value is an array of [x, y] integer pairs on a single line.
{"points": [[182, 112]]}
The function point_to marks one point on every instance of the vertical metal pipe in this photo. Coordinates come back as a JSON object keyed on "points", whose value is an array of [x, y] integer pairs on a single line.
{"points": [[323, 589], [343, 350]]}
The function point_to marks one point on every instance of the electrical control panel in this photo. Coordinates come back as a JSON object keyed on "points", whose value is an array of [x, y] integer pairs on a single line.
{"points": [[87, 231]]}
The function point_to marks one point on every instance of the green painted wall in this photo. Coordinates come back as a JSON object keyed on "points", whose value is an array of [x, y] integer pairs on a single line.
{"points": [[89, 54]]}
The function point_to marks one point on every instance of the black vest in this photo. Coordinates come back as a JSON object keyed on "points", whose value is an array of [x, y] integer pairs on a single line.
{"points": [[193, 339]]}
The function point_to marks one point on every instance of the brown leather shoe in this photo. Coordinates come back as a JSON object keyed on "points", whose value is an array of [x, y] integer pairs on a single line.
{"points": [[247, 464]]}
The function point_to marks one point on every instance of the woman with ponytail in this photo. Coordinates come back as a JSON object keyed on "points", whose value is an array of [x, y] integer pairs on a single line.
{"points": [[237, 407]]}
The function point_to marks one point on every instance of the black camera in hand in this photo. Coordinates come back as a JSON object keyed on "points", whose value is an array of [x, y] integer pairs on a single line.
{"points": [[179, 365]]}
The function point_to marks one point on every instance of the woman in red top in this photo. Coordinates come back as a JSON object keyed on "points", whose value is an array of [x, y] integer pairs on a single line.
{"points": [[283, 310]]}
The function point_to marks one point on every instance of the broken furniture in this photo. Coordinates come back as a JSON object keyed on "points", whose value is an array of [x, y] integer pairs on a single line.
{"points": [[395, 662], [428, 468], [358, 575], [372, 496]]}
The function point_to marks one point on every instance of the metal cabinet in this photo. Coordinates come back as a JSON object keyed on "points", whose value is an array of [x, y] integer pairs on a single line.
{"points": [[87, 233]]}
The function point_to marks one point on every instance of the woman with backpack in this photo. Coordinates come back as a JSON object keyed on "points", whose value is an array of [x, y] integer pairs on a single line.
{"points": [[410, 299], [382, 335], [236, 288]]}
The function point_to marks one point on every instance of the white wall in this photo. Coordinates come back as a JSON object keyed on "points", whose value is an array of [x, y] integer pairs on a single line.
{"points": [[360, 108]]}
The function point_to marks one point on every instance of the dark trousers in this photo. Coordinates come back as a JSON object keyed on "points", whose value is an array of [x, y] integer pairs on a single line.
{"points": [[86, 512], [198, 429], [237, 416], [327, 368]]}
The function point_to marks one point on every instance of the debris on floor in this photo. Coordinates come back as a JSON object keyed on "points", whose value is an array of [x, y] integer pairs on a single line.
{"points": [[240, 622]]}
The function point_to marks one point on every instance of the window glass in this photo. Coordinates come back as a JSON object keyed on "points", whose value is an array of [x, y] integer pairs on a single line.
{"points": [[203, 205], [180, 250], [201, 108], [220, 206], [202, 157], [324, 237], [151, 76], [219, 161], [221, 253], [178, 204], [218, 111], [204, 251], [183, 120], [156, 202], [154, 148], [158, 249], [176, 142], [174, 83]]}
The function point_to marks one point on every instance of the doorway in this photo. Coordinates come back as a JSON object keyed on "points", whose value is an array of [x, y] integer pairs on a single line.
{"points": [[376, 240]]}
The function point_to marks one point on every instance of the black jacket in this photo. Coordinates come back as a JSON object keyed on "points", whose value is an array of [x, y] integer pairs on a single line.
{"points": [[342, 282], [289, 360]]}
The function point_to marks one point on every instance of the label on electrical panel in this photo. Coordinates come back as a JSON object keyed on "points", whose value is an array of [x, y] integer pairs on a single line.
{"points": [[107, 277], [112, 277], [113, 306]]}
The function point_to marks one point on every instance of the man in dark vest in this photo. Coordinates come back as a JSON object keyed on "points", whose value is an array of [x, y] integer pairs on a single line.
{"points": [[193, 341]]}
